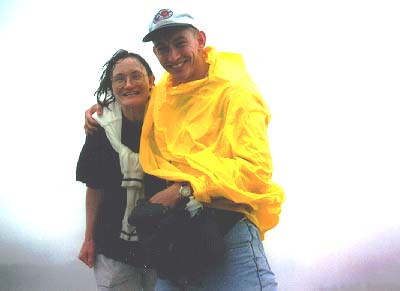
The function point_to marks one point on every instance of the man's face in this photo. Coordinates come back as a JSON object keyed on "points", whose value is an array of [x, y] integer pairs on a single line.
{"points": [[180, 52]]}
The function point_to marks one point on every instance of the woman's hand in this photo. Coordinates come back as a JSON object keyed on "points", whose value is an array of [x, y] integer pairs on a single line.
{"points": [[90, 123], [87, 253]]}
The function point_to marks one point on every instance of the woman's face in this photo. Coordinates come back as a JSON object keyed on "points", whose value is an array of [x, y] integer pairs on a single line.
{"points": [[130, 83]]}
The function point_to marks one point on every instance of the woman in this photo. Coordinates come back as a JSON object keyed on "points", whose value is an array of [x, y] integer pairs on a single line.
{"points": [[109, 166]]}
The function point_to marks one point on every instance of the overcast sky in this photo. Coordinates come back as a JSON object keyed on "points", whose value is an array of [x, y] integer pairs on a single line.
{"points": [[329, 71]]}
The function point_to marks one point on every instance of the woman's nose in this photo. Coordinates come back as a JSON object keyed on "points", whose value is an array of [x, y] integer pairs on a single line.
{"points": [[129, 82]]}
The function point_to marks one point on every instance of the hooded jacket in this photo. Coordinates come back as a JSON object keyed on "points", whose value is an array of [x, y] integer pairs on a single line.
{"points": [[212, 133]]}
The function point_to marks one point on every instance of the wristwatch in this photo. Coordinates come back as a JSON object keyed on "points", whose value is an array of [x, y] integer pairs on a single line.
{"points": [[185, 191]]}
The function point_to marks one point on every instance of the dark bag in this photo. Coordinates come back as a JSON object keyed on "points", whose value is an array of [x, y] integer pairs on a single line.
{"points": [[179, 247]]}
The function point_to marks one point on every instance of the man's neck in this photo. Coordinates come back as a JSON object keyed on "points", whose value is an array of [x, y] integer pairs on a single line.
{"points": [[200, 74]]}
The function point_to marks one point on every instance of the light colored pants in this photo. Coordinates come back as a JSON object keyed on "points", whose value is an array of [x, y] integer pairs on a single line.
{"points": [[245, 266], [117, 276]]}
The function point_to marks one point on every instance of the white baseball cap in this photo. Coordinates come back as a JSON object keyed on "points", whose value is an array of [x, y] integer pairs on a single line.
{"points": [[167, 18]]}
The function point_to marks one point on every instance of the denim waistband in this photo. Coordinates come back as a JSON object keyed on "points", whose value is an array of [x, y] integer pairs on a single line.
{"points": [[225, 219]]}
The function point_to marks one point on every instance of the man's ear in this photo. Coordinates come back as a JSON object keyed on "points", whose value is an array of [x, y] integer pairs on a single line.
{"points": [[201, 38], [154, 50]]}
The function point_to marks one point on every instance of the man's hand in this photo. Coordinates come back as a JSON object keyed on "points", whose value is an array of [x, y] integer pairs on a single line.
{"points": [[90, 123], [167, 197], [87, 252]]}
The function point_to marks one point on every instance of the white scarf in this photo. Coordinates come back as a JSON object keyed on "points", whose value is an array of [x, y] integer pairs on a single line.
{"points": [[132, 171]]}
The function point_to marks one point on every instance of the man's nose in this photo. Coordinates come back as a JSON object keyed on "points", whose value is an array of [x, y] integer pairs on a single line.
{"points": [[173, 54]]}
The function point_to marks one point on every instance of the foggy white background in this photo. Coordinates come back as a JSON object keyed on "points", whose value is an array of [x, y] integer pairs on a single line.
{"points": [[329, 71]]}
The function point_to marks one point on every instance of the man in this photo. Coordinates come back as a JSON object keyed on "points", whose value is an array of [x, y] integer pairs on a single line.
{"points": [[205, 130]]}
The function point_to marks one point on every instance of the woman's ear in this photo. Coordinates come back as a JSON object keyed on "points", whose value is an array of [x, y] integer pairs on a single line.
{"points": [[152, 79], [151, 84]]}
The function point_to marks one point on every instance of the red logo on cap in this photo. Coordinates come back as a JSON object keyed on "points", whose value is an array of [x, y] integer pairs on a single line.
{"points": [[162, 14]]}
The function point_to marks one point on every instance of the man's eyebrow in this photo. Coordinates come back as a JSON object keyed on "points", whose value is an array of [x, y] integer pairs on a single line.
{"points": [[162, 42], [179, 38]]}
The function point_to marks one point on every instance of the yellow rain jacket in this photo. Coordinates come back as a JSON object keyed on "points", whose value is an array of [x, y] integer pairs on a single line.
{"points": [[212, 133]]}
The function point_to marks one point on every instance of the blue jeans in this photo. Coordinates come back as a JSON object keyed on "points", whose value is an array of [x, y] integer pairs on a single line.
{"points": [[244, 267]]}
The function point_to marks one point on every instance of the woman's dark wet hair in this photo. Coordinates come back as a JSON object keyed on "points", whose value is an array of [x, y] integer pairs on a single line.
{"points": [[104, 93]]}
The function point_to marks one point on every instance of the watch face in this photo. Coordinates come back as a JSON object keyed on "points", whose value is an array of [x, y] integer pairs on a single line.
{"points": [[185, 191]]}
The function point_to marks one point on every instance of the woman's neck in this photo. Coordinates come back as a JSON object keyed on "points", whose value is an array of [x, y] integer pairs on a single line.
{"points": [[133, 114]]}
